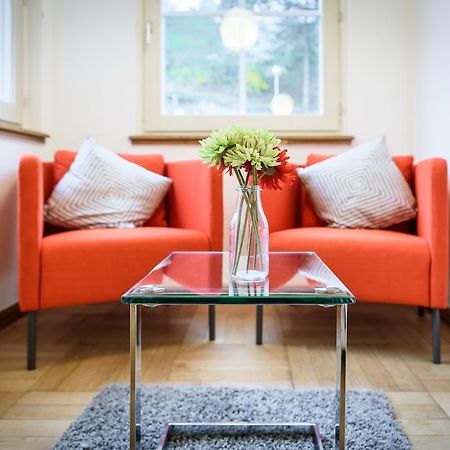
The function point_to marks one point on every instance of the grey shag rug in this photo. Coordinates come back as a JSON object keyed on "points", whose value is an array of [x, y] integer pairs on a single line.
{"points": [[104, 423]]}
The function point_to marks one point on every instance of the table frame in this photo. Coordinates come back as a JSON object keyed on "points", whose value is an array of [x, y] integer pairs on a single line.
{"points": [[135, 386]]}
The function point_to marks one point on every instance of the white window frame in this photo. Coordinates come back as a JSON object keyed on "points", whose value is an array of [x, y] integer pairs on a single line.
{"points": [[12, 112], [327, 120]]}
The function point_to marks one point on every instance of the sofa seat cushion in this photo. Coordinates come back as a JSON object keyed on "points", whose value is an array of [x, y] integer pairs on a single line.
{"points": [[376, 265], [90, 266]]}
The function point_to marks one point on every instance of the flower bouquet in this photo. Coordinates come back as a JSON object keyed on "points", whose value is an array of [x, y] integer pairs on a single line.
{"points": [[257, 161]]}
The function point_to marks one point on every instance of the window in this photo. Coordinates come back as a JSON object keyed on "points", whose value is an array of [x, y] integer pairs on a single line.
{"points": [[265, 63], [10, 61]]}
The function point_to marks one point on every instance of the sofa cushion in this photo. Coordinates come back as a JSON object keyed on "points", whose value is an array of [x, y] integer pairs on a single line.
{"points": [[308, 215], [155, 163], [91, 266], [376, 265]]}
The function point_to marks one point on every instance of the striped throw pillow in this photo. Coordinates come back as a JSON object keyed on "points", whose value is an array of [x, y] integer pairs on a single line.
{"points": [[102, 190], [362, 188]]}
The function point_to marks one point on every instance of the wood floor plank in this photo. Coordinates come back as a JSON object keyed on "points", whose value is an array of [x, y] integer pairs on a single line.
{"points": [[436, 372], [410, 398], [356, 375], [426, 412], [158, 365], [101, 366], [403, 377], [203, 371], [61, 369], [323, 360], [7, 399], [55, 398], [300, 363], [236, 327], [27, 443], [437, 385], [443, 400], [425, 427], [197, 329], [43, 412], [426, 442], [375, 374], [32, 428], [15, 385]]}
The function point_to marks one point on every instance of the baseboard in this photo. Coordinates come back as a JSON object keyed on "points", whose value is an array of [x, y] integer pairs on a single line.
{"points": [[445, 315], [10, 315]]}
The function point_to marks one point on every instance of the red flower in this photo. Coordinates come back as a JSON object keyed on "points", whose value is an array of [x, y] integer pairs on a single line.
{"points": [[248, 167], [284, 173], [223, 168]]}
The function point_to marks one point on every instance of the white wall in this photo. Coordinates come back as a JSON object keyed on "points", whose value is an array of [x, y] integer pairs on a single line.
{"points": [[88, 82], [433, 100], [96, 72], [379, 51]]}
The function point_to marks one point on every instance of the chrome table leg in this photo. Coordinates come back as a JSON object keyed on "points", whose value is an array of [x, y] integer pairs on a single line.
{"points": [[341, 366], [135, 377]]}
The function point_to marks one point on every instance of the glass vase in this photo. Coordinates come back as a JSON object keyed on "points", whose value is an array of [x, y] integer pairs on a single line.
{"points": [[249, 237]]}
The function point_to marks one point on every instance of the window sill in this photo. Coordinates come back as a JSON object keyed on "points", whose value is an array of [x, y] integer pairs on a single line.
{"points": [[27, 134], [144, 139]]}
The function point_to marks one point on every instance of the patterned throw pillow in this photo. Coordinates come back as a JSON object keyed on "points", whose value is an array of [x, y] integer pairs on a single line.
{"points": [[102, 190], [362, 188]]}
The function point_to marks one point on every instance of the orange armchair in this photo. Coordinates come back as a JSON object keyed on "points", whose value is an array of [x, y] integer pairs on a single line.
{"points": [[63, 268], [407, 264]]}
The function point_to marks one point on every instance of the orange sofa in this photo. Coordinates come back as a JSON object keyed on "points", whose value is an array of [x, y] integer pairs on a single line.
{"points": [[64, 268], [407, 264]]}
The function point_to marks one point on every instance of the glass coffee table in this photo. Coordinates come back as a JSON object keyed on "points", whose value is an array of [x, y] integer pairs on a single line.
{"points": [[202, 278]]}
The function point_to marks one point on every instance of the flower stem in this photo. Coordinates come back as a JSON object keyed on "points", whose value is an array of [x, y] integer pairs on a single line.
{"points": [[254, 244], [237, 243]]}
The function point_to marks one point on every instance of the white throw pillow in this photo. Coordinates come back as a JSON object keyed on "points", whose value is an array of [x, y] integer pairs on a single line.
{"points": [[361, 188], [102, 190]]}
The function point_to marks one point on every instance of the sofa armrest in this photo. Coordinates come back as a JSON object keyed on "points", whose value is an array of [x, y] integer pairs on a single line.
{"points": [[30, 230], [195, 200], [433, 223]]}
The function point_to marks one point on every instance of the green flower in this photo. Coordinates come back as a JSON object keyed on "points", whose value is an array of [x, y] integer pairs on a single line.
{"points": [[236, 147]]}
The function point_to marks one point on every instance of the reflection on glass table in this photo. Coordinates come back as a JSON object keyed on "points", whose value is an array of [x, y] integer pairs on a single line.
{"points": [[203, 278]]}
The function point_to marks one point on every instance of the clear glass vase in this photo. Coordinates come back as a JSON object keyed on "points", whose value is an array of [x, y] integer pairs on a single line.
{"points": [[249, 237]]}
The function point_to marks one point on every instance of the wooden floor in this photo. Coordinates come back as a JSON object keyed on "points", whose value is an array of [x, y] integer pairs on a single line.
{"points": [[82, 349]]}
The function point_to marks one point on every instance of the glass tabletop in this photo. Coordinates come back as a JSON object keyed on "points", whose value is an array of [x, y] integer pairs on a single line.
{"points": [[195, 278]]}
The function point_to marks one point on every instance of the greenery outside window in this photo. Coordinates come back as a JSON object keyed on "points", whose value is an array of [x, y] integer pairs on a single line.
{"points": [[264, 63]]}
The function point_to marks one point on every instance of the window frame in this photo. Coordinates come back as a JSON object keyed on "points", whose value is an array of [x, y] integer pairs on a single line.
{"points": [[12, 112], [328, 120]]}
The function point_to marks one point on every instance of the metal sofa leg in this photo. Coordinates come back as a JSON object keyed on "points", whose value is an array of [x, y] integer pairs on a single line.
{"points": [[31, 349], [212, 322], [259, 324], [420, 311], [436, 325]]}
